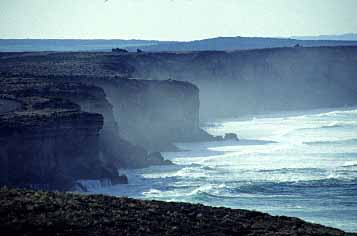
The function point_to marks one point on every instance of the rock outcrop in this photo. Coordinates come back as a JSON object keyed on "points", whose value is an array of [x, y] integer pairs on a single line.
{"points": [[231, 136]]}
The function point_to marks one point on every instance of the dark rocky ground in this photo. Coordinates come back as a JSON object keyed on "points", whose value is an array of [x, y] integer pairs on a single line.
{"points": [[25, 212]]}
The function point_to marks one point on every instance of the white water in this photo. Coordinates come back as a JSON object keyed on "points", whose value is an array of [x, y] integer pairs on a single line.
{"points": [[302, 164]]}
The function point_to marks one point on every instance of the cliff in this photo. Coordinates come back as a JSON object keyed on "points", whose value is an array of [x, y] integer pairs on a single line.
{"points": [[260, 81], [130, 98], [41, 213], [141, 117], [155, 114], [230, 83], [150, 114], [47, 141], [88, 127]]}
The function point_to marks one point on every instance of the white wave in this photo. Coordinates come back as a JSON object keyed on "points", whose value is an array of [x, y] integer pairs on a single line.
{"points": [[202, 189], [214, 189], [152, 192], [277, 174], [191, 172], [333, 142], [92, 185], [350, 164], [338, 113]]}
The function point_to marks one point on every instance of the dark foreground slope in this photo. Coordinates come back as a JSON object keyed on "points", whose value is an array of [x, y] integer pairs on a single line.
{"points": [[42, 213]]}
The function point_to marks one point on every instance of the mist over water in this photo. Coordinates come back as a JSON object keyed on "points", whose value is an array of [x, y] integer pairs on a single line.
{"points": [[301, 164]]}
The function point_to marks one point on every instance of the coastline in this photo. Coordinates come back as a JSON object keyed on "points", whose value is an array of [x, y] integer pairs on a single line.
{"points": [[249, 174], [113, 114]]}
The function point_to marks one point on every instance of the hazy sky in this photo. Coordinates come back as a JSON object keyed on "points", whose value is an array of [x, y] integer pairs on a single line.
{"points": [[174, 19]]}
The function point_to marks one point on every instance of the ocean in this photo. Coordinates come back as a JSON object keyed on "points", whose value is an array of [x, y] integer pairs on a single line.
{"points": [[301, 164]]}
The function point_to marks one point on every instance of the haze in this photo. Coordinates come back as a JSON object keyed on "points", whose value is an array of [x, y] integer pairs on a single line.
{"points": [[174, 19]]}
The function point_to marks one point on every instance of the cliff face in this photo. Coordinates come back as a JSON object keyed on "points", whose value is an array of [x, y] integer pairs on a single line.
{"points": [[230, 83], [56, 130], [125, 121], [44, 153], [257, 81], [47, 141], [114, 151], [42, 140], [154, 114]]}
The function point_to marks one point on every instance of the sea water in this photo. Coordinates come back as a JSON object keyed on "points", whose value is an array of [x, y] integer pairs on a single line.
{"points": [[301, 164]]}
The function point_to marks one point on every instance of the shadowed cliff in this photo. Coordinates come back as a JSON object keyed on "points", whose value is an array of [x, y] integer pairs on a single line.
{"points": [[58, 130]]}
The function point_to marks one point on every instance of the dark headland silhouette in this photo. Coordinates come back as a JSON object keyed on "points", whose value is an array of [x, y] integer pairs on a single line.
{"points": [[220, 43], [338, 37]]}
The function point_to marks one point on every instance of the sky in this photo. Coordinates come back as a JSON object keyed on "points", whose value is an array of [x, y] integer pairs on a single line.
{"points": [[174, 19]]}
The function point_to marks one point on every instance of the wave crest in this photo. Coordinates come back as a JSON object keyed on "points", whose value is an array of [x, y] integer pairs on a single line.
{"points": [[333, 142]]}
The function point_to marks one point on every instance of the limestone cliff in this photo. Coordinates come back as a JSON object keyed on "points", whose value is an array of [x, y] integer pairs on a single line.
{"points": [[59, 129], [47, 141], [42, 142], [259, 81], [155, 114], [230, 83]]}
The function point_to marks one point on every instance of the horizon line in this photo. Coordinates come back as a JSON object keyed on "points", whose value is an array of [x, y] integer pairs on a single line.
{"points": [[159, 40]]}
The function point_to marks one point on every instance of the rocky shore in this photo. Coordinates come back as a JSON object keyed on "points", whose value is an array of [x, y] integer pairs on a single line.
{"points": [[25, 212]]}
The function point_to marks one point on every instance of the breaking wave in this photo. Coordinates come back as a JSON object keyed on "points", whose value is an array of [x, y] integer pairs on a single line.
{"points": [[335, 142], [308, 170]]}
